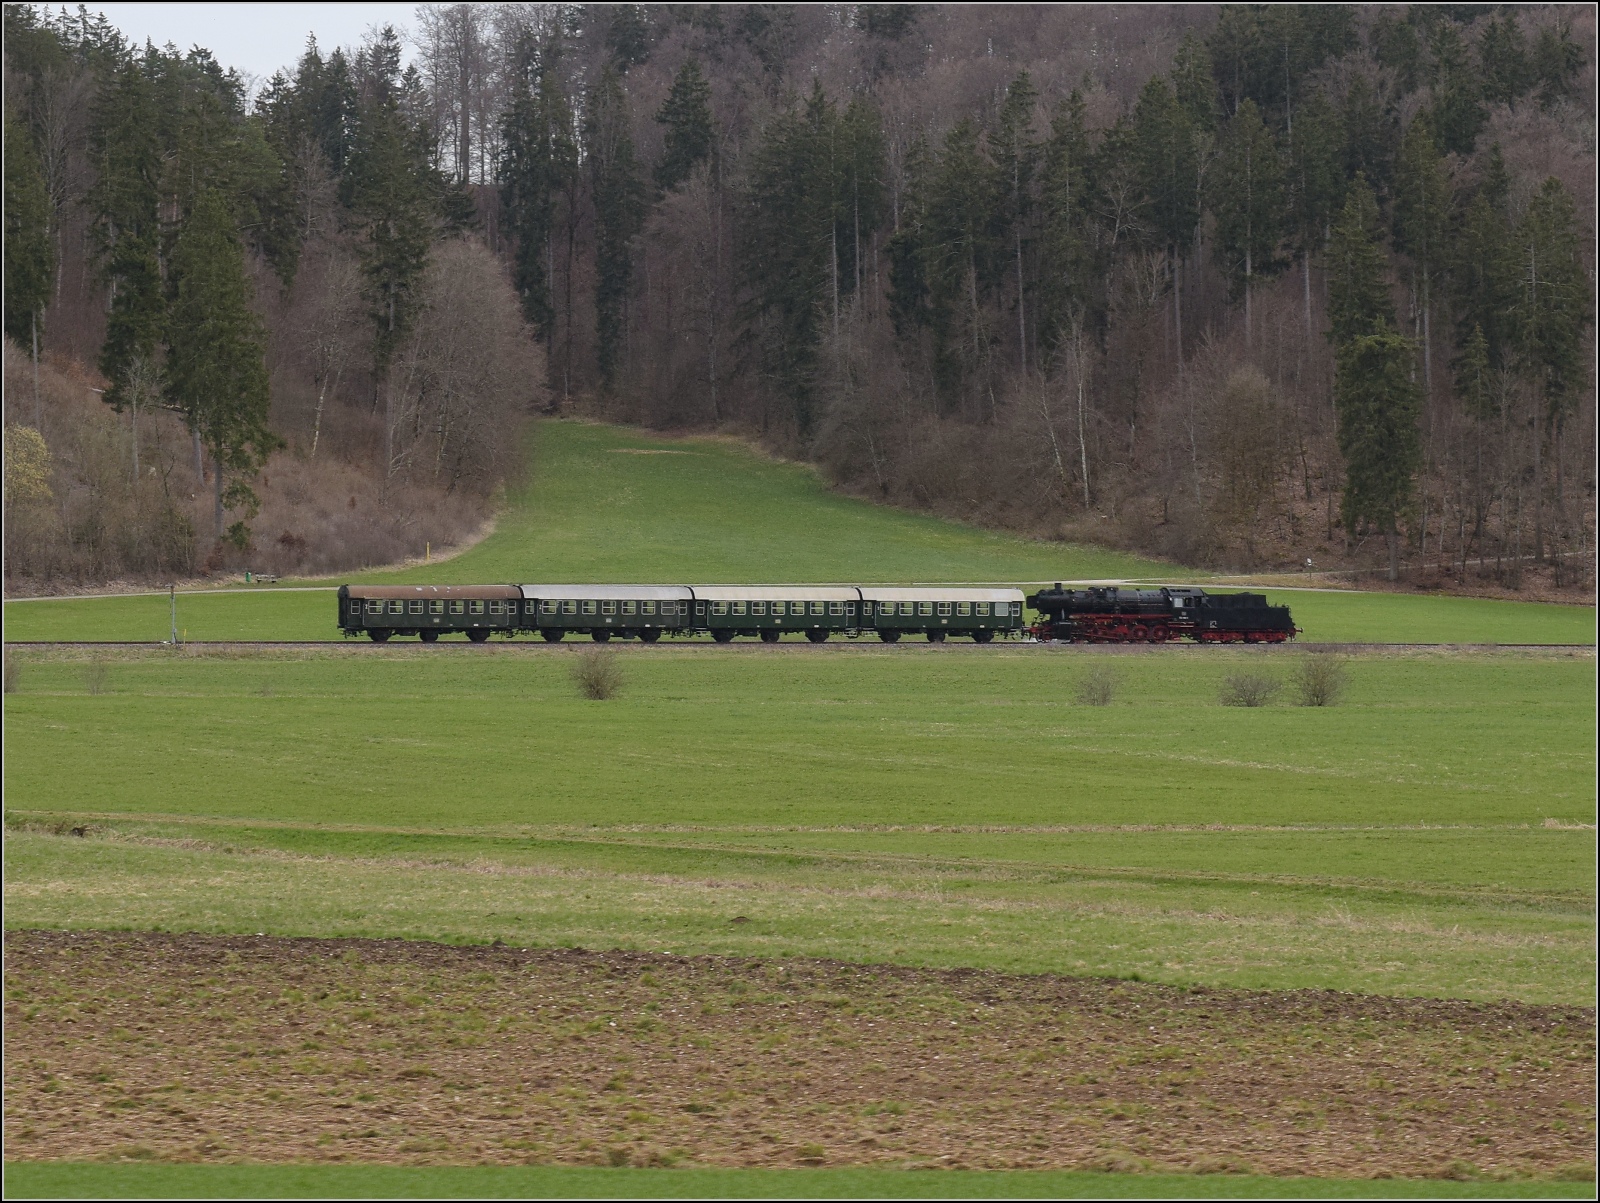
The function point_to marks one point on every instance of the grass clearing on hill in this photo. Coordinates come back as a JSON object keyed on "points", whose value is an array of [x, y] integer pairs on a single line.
{"points": [[711, 511], [1426, 837]]}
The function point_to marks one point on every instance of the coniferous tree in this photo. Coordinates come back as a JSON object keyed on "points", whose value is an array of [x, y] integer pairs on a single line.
{"points": [[1358, 291], [1484, 266], [1067, 271], [618, 192], [30, 264], [1014, 155], [125, 203], [1503, 59], [1169, 173], [1315, 183], [686, 116], [1421, 221], [216, 373], [539, 162], [1554, 307], [1247, 198], [1458, 113], [1378, 404]]}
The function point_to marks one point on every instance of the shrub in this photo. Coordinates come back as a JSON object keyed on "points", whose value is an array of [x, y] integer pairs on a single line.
{"points": [[597, 673], [12, 671], [1320, 680], [95, 675], [1099, 686], [1249, 689]]}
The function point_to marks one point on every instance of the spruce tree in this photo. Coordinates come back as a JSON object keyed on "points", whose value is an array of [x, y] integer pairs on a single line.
{"points": [[1315, 183], [1378, 403], [216, 373], [1169, 174], [1422, 221], [1358, 290], [125, 209], [1248, 201], [618, 192], [686, 116], [539, 161], [1066, 236], [1014, 155], [29, 261]]}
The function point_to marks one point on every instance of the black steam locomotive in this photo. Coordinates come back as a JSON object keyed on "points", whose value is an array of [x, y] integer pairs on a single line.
{"points": [[1111, 615]]}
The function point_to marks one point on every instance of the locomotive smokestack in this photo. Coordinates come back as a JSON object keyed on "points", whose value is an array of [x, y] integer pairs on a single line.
{"points": [[1058, 586]]}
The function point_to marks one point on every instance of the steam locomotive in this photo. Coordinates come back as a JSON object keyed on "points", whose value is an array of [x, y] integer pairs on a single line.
{"points": [[1112, 615]]}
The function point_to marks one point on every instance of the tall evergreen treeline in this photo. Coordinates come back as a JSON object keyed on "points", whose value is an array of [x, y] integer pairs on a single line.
{"points": [[1211, 282]]}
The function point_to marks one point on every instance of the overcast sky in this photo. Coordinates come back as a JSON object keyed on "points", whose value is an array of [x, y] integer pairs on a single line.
{"points": [[256, 38]]}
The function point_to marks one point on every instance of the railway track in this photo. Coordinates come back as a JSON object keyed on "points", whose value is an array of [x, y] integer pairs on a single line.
{"points": [[532, 645]]}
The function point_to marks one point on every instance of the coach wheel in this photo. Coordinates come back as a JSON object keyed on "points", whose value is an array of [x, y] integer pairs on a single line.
{"points": [[889, 636], [478, 634], [817, 636], [551, 634], [650, 634], [982, 635], [600, 636], [935, 636], [379, 636], [428, 636], [722, 635], [770, 636]]}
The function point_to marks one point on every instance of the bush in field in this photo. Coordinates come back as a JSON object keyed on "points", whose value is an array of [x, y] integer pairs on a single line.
{"points": [[1249, 689], [1099, 686], [12, 671], [1320, 680], [597, 673], [95, 675]]}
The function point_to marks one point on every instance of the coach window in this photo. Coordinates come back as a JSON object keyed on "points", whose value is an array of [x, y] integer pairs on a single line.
{"points": [[414, 607], [816, 609], [496, 607], [397, 607], [1016, 609], [590, 607], [374, 607], [925, 609], [963, 609], [944, 609], [436, 607], [608, 607], [738, 607], [836, 609], [981, 609], [569, 607], [531, 607], [458, 607], [548, 607], [758, 608], [648, 607], [719, 607], [475, 607], [629, 607]]}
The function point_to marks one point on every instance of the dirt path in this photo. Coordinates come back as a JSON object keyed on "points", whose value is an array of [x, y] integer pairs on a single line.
{"points": [[188, 1047]]}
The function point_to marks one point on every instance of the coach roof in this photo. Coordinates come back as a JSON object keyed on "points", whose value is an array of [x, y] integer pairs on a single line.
{"points": [[608, 592], [807, 593], [432, 592], [875, 594]]}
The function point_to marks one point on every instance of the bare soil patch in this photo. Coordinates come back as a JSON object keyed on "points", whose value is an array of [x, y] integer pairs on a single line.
{"points": [[184, 1047]]}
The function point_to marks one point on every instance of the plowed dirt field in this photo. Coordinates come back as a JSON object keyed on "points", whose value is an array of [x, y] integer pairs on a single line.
{"points": [[149, 1045]]}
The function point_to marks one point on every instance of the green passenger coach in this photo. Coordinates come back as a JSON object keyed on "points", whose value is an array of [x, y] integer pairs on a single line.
{"points": [[939, 613], [428, 611], [601, 611], [767, 611]]}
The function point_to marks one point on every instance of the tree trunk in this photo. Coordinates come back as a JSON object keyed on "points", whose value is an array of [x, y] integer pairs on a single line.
{"points": [[1247, 275], [38, 413], [199, 463], [1177, 307], [1305, 280], [1022, 321], [1392, 537], [1538, 480], [218, 475]]}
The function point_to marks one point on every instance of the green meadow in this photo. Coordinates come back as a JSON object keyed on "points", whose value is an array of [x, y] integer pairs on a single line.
{"points": [[606, 504], [100, 1181], [1431, 835]]}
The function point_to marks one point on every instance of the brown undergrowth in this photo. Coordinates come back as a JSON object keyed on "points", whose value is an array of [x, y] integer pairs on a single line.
{"points": [[182, 1047]]}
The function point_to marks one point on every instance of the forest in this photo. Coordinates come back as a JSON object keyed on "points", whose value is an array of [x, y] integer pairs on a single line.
{"points": [[1241, 285]]}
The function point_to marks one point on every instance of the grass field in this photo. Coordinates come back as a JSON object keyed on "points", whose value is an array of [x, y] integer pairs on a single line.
{"points": [[608, 505], [1424, 837], [89, 1180]]}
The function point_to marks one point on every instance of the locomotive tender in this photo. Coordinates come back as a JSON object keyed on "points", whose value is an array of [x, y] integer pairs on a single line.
{"points": [[726, 612]]}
